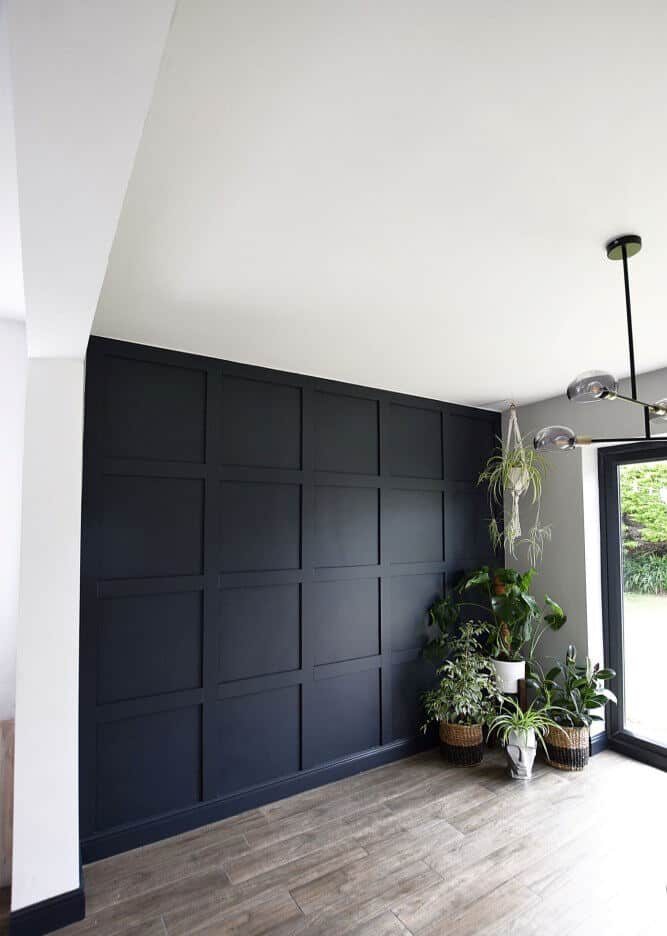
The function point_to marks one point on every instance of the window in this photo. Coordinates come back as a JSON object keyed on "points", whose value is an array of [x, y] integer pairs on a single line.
{"points": [[633, 489]]}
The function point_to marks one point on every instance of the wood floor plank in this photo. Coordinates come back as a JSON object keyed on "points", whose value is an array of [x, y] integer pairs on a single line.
{"points": [[386, 924], [364, 879], [154, 869], [272, 911], [342, 918], [303, 870], [494, 912], [415, 848], [194, 891], [399, 775]]}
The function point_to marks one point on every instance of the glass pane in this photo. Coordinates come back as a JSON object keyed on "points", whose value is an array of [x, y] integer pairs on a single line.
{"points": [[643, 490]]}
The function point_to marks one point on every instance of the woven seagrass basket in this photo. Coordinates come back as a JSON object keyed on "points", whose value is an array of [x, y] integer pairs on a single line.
{"points": [[462, 745], [568, 749]]}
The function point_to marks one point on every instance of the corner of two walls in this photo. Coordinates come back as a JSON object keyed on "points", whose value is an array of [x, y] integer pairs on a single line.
{"points": [[569, 570], [13, 366]]}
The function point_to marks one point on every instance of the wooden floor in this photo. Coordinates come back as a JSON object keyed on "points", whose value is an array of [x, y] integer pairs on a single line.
{"points": [[415, 847]]}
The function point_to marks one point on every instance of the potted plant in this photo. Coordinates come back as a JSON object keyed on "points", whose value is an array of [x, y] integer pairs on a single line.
{"points": [[515, 472], [464, 699], [517, 620], [572, 693], [519, 733]]}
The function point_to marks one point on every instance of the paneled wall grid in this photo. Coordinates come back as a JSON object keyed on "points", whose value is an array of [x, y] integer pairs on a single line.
{"points": [[259, 549]]}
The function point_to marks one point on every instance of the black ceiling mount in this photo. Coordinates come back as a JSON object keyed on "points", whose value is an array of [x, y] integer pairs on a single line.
{"points": [[631, 242], [600, 385]]}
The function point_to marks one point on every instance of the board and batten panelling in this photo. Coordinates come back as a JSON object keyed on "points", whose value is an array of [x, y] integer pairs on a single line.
{"points": [[258, 551]]}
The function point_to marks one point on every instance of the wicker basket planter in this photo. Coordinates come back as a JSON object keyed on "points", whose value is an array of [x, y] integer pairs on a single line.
{"points": [[569, 748], [462, 745]]}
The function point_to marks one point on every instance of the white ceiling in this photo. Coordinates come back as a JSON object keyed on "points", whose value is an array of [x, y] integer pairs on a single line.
{"points": [[12, 304], [412, 196], [82, 74]]}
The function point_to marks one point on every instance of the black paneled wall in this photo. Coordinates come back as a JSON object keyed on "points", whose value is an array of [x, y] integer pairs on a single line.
{"points": [[258, 552]]}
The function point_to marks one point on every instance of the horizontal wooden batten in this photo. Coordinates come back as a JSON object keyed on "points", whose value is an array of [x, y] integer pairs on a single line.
{"points": [[258, 474], [264, 683], [146, 468], [149, 705], [123, 588], [253, 579], [341, 667]]}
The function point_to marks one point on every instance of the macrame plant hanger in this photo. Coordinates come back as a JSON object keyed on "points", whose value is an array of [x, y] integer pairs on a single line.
{"points": [[518, 480]]}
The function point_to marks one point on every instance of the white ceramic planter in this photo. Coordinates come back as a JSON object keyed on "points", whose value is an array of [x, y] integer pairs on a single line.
{"points": [[509, 672], [520, 752]]}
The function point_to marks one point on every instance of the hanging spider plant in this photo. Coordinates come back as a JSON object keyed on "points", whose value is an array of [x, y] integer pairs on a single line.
{"points": [[515, 472]]}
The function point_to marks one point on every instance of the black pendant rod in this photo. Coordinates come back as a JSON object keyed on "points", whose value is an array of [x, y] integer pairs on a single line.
{"points": [[631, 340]]}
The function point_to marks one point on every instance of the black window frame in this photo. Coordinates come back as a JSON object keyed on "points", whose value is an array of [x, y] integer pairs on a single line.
{"points": [[609, 459]]}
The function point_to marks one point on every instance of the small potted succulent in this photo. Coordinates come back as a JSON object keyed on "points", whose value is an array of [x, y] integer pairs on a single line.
{"points": [[571, 693], [464, 699], [517, 620], [519, 732]]}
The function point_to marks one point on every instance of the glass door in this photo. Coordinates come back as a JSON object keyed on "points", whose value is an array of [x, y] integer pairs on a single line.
{"points": [[634, 543]]}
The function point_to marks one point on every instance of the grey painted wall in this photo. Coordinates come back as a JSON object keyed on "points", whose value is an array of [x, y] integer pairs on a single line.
{"points": [[570, 568]]}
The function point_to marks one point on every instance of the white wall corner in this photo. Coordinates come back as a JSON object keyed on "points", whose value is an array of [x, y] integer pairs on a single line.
{"points": [[13, 365], [46, 786]]}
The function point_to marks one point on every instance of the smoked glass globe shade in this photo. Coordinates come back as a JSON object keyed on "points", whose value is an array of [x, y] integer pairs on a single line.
{"points": [[591, 386], [555, 439]]}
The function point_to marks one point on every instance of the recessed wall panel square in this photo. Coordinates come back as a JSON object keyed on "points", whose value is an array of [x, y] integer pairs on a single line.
{"points": [[152, 526], [346, 710], [345, 619], [148, 765], [469, 442], [260, 526], [261, 424], [346, 434], [259, 631], [411, 596], [409, 681], [413, 443], [467, 525], [346, 526], [259, 738], [154, 411], [149, 644], [415, 527]]}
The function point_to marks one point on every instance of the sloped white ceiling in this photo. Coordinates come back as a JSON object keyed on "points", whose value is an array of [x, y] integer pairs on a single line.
{"points": [[12, 303], [413, 196], [82, 78]]}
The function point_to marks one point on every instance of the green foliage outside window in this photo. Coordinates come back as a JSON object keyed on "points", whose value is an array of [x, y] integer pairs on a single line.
{"points": [[644, 506]]}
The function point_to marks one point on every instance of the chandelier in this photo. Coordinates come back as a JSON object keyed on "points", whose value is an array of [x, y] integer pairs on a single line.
{"points": [[599, 385]]}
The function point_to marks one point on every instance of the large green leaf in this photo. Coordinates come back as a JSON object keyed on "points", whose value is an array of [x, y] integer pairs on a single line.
{"points": [[475, 579], [606, 673], [557, 618]]}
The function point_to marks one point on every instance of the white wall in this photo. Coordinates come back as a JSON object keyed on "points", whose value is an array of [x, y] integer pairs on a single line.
{"points": [[12, 402], [570, 568], [82, 77], [46, 797], [13, 365]]}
